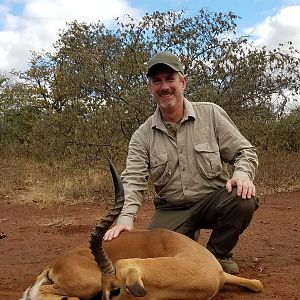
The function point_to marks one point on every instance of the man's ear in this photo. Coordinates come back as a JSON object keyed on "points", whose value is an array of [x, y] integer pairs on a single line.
{"points": [[184, 82], [149, 86], [134, 283]]}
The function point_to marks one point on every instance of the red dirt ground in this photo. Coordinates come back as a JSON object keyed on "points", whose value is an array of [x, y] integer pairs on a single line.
{"points": [[269, 250]]}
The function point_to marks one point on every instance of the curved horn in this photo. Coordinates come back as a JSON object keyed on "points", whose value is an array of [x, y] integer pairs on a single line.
{"points": [[96, 245]]}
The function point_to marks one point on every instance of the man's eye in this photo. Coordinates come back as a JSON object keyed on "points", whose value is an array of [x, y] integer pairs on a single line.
{"points": [[171, 79]]}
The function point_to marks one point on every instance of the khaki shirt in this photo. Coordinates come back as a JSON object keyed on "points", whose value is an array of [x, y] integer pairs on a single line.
{"points": [[186, 166]]}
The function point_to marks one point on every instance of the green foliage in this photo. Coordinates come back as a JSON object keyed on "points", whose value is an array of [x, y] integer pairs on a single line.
{"points": [[71, 135], [287, 132], [19, 113]]}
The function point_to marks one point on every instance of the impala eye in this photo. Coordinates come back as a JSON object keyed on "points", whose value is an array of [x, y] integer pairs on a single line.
{"points": [[114, 293]]}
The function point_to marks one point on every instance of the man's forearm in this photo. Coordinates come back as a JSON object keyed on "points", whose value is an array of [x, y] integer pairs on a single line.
{"points": [[133, 201]]}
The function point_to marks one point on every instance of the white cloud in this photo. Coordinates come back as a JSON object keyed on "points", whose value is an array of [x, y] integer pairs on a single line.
{"points": [[37, 26], [280, 28], [283, 27]]}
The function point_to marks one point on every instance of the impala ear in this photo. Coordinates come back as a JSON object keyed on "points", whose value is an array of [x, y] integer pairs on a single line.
{"points": [[137, 290], [134, 283]]}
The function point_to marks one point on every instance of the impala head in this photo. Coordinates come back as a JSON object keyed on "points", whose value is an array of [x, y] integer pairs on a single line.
{"points": [[127, 280], [116, 280], [112, 288]]}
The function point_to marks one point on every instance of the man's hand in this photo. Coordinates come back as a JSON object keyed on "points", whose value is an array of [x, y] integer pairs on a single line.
{"points": [[245, 187], [115, 231]]}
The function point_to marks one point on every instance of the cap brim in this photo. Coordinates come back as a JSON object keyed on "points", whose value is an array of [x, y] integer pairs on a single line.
{"points": [[156, 66]]}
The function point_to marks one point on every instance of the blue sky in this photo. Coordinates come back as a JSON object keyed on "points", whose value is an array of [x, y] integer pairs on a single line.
{"points": [[251, 11], [34, 24]]}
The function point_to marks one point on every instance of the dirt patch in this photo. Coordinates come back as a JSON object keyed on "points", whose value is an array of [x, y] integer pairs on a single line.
{"points": [[269, 250]]}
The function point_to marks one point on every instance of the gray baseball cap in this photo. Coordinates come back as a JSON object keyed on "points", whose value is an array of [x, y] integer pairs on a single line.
{"points": [[165, 58]]}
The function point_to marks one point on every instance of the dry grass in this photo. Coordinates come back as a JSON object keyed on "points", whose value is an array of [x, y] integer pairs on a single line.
{"points": [[278, 172], [27, 181]]}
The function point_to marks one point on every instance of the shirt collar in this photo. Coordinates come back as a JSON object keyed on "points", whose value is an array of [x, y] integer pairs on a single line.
{"points": [[189, 112]]}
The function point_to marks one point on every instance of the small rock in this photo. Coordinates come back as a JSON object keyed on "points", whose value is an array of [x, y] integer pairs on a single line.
{"points": [[256, 259], [2, 235]]}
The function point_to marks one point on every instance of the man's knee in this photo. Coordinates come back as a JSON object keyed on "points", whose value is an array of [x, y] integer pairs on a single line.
{"points": [[245, 206], [243, 210]]}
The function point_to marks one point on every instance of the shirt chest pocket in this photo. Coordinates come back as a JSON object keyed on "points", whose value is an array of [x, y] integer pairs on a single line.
{"points": [[208, 159], [160, 171]]}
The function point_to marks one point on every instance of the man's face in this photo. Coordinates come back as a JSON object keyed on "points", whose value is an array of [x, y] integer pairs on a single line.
{"points": [[167, 87]]}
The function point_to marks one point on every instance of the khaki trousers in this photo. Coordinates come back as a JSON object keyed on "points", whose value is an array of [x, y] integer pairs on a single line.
{"points": [[225, 213]]}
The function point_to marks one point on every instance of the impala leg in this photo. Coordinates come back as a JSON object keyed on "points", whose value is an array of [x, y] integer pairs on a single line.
{"points": [[49, 292]]}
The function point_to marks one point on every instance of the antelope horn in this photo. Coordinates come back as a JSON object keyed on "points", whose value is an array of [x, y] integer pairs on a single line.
{"points": [[96, 245]]}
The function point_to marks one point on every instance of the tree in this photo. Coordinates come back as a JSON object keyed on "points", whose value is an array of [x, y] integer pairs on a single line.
{"points": [[19, 112]]}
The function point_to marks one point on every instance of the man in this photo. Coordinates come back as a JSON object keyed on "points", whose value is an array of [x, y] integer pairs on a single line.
{"points": [[184, 146]]}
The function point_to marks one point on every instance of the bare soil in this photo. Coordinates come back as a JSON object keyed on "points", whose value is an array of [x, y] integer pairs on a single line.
{"points": [[269, 250]]}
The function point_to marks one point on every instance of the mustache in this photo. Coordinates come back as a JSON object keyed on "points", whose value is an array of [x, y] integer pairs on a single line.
{"points": [[166, 92]]}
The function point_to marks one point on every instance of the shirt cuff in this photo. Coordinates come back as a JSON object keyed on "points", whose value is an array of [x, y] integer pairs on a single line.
{"points": [[241, 174], [124, 220]]}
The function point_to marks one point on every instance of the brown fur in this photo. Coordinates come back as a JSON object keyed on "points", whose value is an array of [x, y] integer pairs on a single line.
{"points": [[158, 264]]}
